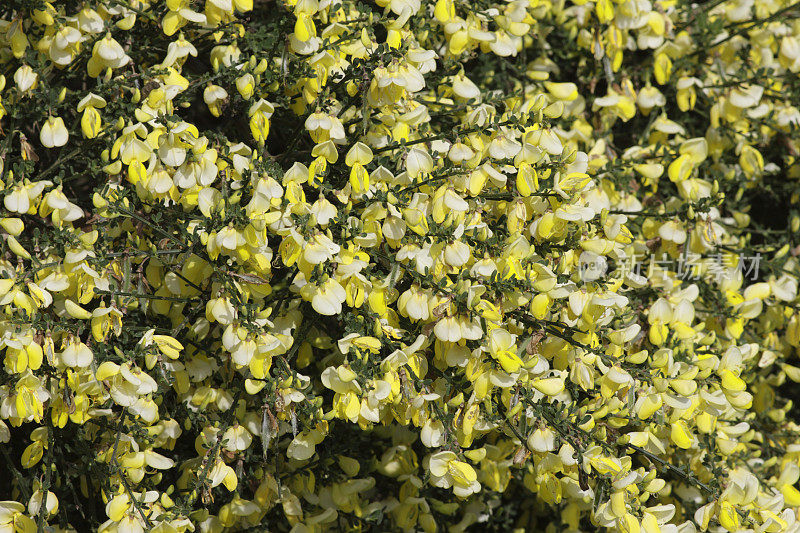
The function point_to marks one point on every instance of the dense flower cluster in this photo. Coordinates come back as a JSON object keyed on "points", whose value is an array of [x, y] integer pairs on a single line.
{"points": [[399, 265]]}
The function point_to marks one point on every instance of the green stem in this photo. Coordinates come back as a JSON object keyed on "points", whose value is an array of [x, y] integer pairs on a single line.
{"points": [[48, 465], [146, 296], [211, 456], [123, 476]]}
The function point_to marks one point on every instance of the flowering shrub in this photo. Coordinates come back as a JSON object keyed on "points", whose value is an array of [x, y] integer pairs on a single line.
{"points": [[403, 265]]}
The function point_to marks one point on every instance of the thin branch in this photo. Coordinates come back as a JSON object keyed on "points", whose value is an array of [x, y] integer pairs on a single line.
{"points": [[48, 474], [145, 296], [211, 456], [123, 476]]}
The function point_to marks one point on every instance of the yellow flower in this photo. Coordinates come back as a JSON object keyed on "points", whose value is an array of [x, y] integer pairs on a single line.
{"points": [[54, 133]]}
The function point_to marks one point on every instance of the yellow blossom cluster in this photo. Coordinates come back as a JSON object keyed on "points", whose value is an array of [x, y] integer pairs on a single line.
{"points": [[399, 265]]}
